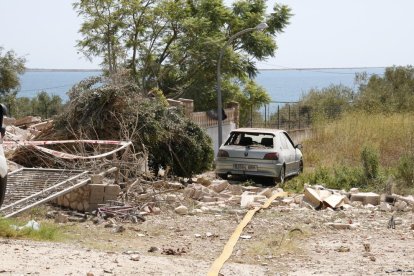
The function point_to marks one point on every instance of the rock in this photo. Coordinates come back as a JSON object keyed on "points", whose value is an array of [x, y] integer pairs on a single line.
{"points": [[400, 205], [339, 226], [288, 200], [266, 192], [343, 248], [61, 218], [323, 194], [181, 210], [245, 237], [219, 185], [204, 181], [311, 197], [189, 192], [412, 226], [334, 201], [153, 249], [247, 199], [134, 258], [354, 190], [252, 189], [298, 199], [366, 198], [385, 207], [208, 199], [235, 189], [367, 247]]}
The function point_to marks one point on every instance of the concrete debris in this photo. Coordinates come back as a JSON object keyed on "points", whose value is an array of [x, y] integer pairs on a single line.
{"points": [[366, 198], [181, 210]]}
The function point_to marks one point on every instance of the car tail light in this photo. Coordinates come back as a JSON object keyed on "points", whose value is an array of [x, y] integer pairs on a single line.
{"points": [[222, 153], [271, 156]]}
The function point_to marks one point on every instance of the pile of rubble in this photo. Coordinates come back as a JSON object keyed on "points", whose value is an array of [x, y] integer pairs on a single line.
{"points": [[318, 197]]}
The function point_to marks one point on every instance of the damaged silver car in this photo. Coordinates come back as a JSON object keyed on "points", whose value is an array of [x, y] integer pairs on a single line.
{"points": [[259, 152]]}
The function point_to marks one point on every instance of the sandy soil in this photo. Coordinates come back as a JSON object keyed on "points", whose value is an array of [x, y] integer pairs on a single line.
{"points": [[282, 240]]}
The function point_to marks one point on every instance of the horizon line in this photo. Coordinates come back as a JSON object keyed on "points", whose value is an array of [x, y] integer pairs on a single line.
{"points": [[292, 68]]}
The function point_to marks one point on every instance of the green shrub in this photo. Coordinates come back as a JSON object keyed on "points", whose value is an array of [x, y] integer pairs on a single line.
{"points": [[405, 173], [370, 162]]}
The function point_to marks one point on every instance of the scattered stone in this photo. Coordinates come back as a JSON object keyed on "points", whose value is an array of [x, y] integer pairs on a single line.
{"points": [[119, 229], [366, 198], [134, 258], [367, 247], [343, 248], [334, 201], [246, 237], [339, 226], [312, 197], [181, 210], [247, 199], [219, 185], [266, 192], [412, 226], [197, 235], [400, 205], [153, 249], [372, 258], [61, 218], [354, 190], [204, 181], [385, 207]]}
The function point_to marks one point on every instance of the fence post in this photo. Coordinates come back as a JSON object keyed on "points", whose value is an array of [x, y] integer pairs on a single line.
{"points": [[289, 116], [278, 117]]}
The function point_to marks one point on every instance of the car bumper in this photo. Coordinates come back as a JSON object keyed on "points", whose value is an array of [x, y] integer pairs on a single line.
{"points": [[267, 168]]}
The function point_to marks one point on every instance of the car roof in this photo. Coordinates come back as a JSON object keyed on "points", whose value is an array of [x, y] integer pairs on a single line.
{"points": [[260, 130]]}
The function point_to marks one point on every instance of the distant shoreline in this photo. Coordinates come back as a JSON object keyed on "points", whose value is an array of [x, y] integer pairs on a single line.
{"points": [[260, 69], [62, 70]]}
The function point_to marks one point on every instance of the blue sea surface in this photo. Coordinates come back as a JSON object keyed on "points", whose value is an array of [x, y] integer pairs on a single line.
{"points": [[282, 85], [53, 82], [290, 85]]}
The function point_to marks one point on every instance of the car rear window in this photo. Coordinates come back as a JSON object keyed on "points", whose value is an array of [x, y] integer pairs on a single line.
{"points": [[250, 139]]}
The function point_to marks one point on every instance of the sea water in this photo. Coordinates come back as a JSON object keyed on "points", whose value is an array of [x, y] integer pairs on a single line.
{"points": [[282, 85]]}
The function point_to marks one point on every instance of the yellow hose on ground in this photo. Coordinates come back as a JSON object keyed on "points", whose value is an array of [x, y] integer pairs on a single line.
{"points": [[228, 248]]}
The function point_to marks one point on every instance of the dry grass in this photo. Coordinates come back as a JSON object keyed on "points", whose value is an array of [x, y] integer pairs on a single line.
{"points": [[340, 142]]}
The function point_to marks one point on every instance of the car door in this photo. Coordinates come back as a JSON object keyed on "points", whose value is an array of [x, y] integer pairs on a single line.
{"points": [[286, 153], [294, 154]]}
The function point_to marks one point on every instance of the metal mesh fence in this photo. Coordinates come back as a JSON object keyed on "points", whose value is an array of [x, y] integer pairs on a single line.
{"points": [[288, 115]]}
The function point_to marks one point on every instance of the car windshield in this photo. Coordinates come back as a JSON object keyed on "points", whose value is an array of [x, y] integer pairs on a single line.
{"points": [[248, 139]]}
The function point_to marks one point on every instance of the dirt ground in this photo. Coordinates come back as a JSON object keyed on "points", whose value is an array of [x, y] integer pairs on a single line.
{"points": [[282, 240]]}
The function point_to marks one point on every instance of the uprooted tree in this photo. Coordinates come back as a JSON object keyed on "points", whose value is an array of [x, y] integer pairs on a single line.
{"points": [[109, 109]]}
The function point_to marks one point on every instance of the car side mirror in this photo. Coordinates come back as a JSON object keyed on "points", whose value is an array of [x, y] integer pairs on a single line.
{"points": [[299, 146]]}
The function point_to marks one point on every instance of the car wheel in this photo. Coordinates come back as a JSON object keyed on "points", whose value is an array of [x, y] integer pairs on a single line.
{"points": [[281, 178], [3, 186], [222, 175]]}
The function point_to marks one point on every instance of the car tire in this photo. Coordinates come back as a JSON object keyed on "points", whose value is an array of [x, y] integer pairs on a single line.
{"points": [[3, 186], [281, 178], [222, 175]]}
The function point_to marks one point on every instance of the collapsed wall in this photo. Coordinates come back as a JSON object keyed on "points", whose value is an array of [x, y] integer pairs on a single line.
{"points": [[91, 196]]}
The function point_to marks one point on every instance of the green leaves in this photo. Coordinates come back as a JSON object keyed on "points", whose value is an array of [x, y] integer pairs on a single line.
{"points": [[10, 67]]}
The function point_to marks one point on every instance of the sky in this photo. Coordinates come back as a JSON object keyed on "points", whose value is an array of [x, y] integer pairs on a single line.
{"points": [[322, 34]]}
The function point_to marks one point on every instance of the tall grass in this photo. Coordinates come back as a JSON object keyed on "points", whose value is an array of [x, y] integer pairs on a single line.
{"points": [[341, 142], [360, 150]]}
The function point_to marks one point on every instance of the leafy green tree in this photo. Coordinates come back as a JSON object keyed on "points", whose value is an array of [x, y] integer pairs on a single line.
{"points": [[394, 92], [173, 45], [101, 31], [11, 66]]}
